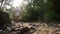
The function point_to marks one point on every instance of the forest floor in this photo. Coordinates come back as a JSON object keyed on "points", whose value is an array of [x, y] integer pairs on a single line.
{"points": [[40, 28]]}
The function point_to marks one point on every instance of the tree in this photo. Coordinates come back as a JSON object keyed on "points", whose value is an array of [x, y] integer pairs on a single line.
{"points": [[42, 10], [5, 3], [35, 11]]}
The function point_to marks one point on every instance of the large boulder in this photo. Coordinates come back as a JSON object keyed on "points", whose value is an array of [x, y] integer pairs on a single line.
{"points": [[4, 19]]}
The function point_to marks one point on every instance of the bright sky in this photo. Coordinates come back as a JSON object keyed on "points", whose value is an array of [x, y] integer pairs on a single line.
{"points": [[16, 3]]}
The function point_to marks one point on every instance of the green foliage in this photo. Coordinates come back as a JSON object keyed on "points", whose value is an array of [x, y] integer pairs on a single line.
{"points": [[43, 10]]}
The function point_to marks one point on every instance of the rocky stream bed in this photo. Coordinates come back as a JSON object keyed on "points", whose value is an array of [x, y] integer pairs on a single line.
{"points": [[36, 28]]}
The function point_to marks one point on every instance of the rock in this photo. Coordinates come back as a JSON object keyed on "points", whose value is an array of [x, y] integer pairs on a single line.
{"points": [[4, 19]]}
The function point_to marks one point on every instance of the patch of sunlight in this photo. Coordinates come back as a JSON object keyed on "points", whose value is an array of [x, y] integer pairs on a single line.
{"points": [[23, 8], [8, 7], [32, 6], [25, 3], [0, 4], [20, 17], [35, 33], [45, 1], [35, 6]]}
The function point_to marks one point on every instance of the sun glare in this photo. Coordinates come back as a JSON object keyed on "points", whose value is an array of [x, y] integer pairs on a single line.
{"points": [[16, 3]]}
